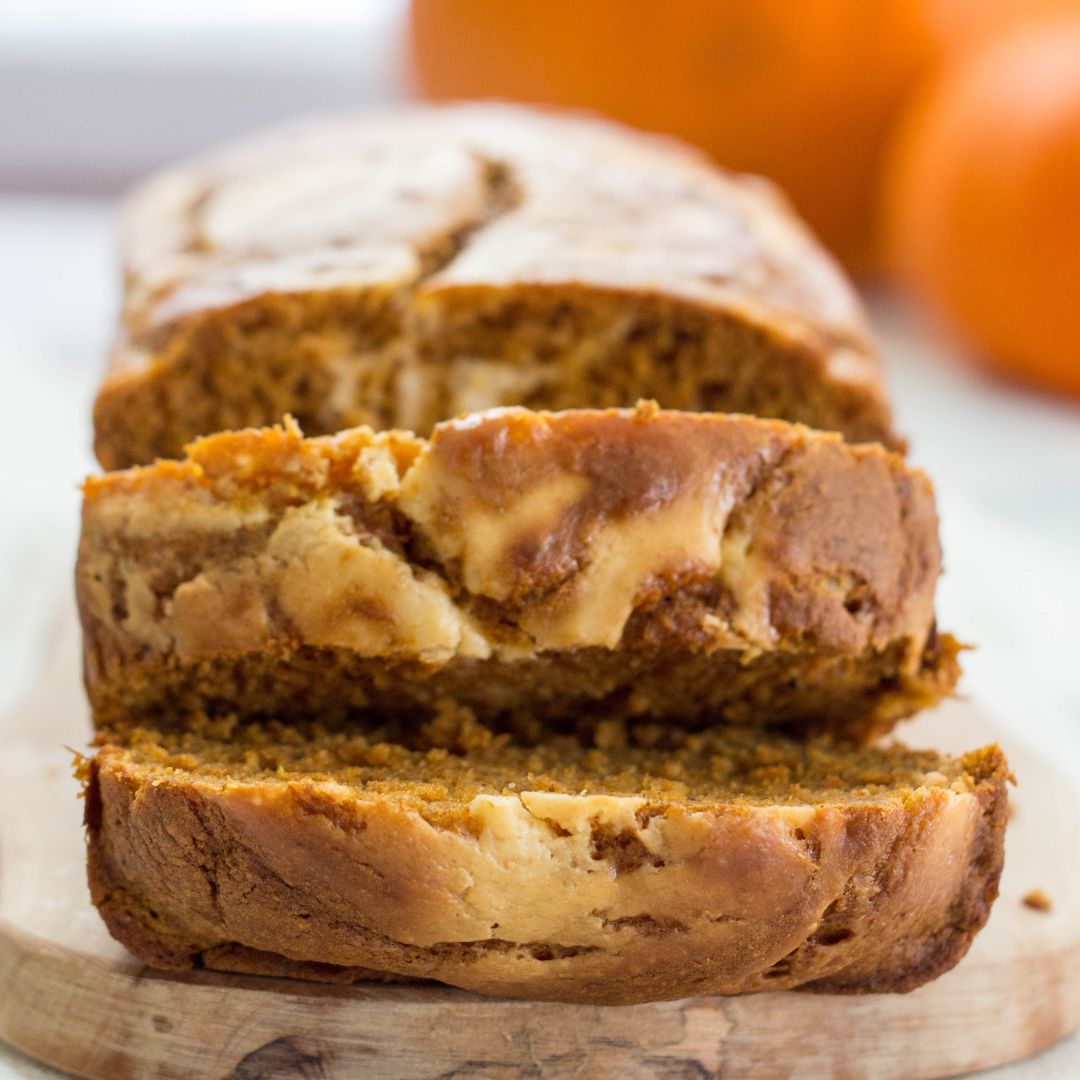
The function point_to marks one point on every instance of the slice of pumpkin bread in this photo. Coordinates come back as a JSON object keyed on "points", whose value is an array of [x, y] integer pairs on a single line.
{"points": [[533, 567], [640, 863]]}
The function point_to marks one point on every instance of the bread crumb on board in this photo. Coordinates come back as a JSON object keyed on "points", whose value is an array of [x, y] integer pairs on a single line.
{"points": [[1038, 900]]}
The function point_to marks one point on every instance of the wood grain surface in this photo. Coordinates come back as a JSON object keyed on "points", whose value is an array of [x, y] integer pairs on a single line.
{"points": [[73, 998]]}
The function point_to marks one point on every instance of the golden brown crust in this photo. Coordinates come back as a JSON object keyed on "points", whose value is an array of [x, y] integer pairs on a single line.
{"points": [[548, 895], [642, 561], [398, 269], [970, 908]]}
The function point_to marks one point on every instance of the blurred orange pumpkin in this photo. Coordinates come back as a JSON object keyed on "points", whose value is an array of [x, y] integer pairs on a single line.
{"points": [[802, 92], [982, 205], [964, 24]]}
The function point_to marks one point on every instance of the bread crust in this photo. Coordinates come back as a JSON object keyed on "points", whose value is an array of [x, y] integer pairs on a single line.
{"points": [[397, 269], [304, 877], [638, 561]]}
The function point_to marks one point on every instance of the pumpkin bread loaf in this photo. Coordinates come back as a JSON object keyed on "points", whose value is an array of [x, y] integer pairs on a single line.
{"points": [[400, 268], [532, 567], [639, 864], [570, 705]]}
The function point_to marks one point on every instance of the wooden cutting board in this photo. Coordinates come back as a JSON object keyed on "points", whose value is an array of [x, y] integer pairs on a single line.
{"points": [[73, 998]]}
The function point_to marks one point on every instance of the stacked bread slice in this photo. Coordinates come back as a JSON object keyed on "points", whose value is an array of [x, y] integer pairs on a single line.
{"points": [[576, 704]]}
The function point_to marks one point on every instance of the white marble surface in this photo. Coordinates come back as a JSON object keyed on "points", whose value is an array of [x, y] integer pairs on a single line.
{"points": [[1006, 464]]}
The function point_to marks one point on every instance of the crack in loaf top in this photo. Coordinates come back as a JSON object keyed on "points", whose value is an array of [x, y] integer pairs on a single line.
{"points": [[399, 268]]}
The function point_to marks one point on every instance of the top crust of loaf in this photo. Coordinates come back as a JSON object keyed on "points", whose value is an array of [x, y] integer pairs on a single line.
{"points": [[512, 536], [385, 190], [440, 230]]}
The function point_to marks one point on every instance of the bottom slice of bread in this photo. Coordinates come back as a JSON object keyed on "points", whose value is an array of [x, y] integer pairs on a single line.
{"points": [[625, 865]]}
